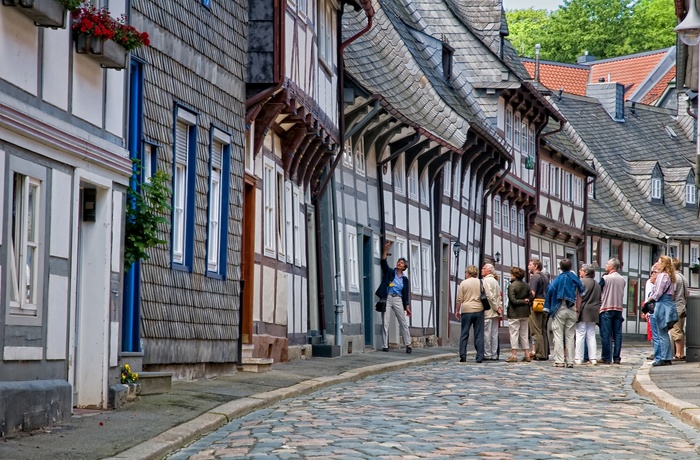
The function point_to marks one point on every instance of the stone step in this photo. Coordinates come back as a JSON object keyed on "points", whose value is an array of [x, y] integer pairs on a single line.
{"points": [[247, 350], [256, 364], [133, 358], [155, 382]]}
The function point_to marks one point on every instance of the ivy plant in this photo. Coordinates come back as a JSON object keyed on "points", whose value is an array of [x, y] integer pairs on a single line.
{"points": [[146, 206], [71, 5]]}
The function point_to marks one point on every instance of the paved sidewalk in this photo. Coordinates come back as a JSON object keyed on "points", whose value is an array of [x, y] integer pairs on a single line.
{"points": [[155, 425]]}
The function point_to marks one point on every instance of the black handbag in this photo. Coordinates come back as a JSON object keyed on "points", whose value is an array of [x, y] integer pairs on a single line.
{"points": [[648, 306], [380, 306], [484, 300]]}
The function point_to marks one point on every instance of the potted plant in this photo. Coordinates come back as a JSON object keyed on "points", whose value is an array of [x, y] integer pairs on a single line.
{"points": [[106, 40], [45, 13]]}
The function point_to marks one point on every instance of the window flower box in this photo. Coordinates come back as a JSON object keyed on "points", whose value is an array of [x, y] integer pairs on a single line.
{"points": [[694, 268], [44, 13], [107, 53]]}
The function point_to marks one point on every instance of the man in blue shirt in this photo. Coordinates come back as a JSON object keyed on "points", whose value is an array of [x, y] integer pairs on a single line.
{"points": [[395, 288]]}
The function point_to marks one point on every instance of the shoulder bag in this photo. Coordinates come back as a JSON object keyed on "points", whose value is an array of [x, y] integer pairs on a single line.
{"points": [[484, 300]]}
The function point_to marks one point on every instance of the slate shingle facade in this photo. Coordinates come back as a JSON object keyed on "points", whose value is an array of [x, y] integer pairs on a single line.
{"points": [[197, 58]]}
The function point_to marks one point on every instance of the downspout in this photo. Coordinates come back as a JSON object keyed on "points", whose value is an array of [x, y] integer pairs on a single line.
{"points": [[558, 130], [585, 219], [341, 134], [279, 48]]}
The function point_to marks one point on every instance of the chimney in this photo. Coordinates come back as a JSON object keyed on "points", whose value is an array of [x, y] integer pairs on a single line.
{"points": [[537, 62], [611, 96], [585, 58]]}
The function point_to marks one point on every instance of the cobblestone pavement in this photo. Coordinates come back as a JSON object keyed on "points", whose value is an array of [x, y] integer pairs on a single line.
{"points": [[454, 410]]}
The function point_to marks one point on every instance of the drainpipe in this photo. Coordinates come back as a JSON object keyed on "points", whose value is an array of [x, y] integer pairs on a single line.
{"points": [[558, 130], [341, 134]]}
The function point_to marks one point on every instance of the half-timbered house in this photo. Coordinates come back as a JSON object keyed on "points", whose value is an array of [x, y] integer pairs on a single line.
{"points": [[643, 202], [420, 160], [64, 170]]}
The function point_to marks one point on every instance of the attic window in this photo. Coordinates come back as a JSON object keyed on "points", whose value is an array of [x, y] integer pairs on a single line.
{"points": [[447, 58], [690, 191], [656, 188]]}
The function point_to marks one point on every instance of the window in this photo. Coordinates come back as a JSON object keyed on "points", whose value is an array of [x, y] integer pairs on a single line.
{"points": [[533, 146], [513, 219], [521, 223], [458, 180], [25, 248], [516, 134], [424, 188], [497, 212], [673, 251], [578, 191], [184, 178], [447, 178], [524, 143], [269, 199], [447, 58], [301, 7], [509, 126], [296, 205], [656, 188], [554, 180], [347, 153], [544, 176], [591, 190], [690, 191], [218, 201], [596, 251], [281, 220], [426, 267], [149, 161], [326, 23], [249, 150], [340, 257], [506, 212], [413, 181], [360, 162], [399, 176], [399, 248], [694, 255], [288, 218], [353, 264], [568, 187], [414, 268]]}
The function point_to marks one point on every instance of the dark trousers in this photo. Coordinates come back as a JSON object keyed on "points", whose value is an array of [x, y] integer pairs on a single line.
{"points": [[611, 335], [475, 320]]}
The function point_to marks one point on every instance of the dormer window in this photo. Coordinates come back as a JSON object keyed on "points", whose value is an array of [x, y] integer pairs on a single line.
{"points": [[657, 185], [447, 59], [690, 191]]}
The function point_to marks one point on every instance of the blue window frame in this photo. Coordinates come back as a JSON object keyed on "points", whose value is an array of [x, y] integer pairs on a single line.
{"points": [[184, 188], [218, 201]]}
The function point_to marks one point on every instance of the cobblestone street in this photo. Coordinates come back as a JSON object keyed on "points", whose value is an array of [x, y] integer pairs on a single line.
{"points": [[453, 410]]}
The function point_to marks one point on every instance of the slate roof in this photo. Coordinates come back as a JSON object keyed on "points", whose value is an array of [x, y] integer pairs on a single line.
{"points": [[624, 154]]}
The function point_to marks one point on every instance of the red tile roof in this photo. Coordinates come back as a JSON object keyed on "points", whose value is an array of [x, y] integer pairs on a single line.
{"points": [[628, 70], [555, 76], [655, 93]]}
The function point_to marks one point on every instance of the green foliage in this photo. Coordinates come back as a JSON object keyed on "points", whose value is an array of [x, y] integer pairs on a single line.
{"points": [[70, 5], [145, 209], [604, 28]]}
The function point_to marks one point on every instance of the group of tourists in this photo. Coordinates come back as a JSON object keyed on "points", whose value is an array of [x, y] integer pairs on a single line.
{"points": [[575, 305]]}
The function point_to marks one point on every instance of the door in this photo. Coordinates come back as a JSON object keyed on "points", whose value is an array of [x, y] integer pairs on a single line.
{"points": [[367, 291], [248, 260], [443, 314]]}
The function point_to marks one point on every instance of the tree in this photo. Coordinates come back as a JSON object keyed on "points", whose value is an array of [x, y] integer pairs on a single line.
{"points": [[603, 28], [525, 26]]}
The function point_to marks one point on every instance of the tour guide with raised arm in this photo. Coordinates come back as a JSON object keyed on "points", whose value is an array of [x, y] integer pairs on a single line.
{"points": [[395, 289]]}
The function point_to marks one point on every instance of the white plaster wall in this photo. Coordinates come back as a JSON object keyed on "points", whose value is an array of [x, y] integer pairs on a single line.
{"points": [[116, 89], [59, 235], [454, 221], [88, 84], [580, 223], [425, 223], [55, 69], [268, 295], [304, 305], [259, 221], [256, 294], [19, 50], [117, 213], [445, 218], [401, 222], [282, 301], [388, 207], [556, 206], [2, 200], [414, 218], [57, 318], [354, 312]]}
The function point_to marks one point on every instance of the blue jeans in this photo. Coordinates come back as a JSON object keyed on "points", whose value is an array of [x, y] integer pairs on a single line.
{"points": [[611, 335], [661, 341], [475, 320]]}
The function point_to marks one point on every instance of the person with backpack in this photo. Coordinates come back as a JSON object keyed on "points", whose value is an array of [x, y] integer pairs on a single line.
{"points": [[537, 321], [560, 303]]}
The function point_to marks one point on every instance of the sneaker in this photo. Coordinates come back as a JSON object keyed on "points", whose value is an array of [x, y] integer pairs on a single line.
{"points": [[569, 366], [594, 362], [409, 350], [578, 362], [512, 359], [385, 349]]}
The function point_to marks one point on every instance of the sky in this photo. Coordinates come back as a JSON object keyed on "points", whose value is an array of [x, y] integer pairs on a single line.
{"points": [[537, 4]]}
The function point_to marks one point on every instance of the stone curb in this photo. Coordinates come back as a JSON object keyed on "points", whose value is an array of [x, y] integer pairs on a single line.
{"points": [[181, 435], [643, 385]]}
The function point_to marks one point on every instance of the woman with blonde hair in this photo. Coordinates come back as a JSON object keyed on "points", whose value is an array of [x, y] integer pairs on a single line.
{"points": [[663, 310], [471, 313]]}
